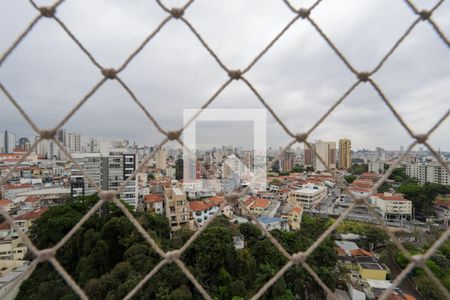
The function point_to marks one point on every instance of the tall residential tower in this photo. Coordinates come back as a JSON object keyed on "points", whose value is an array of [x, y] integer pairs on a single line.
{"points": [[345, 158]]}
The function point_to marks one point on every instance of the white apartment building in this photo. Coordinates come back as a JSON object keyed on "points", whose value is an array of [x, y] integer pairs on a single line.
{"points": [[309, 195], [73, 142], [234, 165], [201, 211], [376, 167], [70, 140], [428, 172], [392, 206], [45, 148]]}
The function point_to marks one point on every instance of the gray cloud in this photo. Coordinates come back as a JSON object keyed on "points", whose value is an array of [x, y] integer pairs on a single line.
{"points": [[300, 76]]}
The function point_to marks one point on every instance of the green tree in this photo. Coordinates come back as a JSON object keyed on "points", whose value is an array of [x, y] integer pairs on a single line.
{"points": [[350, 178], [358, 169]]}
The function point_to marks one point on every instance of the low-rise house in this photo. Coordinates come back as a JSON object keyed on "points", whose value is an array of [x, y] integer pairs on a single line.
{"points": [[25, 221], [227, 210], [259, 205], [271, 223], [346, 247], [374, 177], [295, 216], [6, 204], [201, 211], [372, 270], [154, 203]]}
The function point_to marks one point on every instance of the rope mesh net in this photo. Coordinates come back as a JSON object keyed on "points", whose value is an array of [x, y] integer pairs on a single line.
{"points": [[177, 15]]}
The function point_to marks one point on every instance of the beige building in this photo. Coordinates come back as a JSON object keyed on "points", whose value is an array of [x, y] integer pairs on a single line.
{"points": [[345, 159], [326, 150], [259, 205], [177, 206], [309, 196], [12, 249], [160, 159], [293, 213]]}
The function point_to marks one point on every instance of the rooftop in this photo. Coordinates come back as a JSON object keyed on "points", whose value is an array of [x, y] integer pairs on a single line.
{"points": [[260, 203], [371, 266], [4, 202], [177, 191], [268, 220], [200, 205], [153, 198], [32, 215], [297, 210], [347, 246], [390, 197], [361, 252], [46, 191]]}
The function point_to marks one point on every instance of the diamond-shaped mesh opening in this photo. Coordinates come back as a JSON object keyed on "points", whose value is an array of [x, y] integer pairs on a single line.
{"points": [[305, 14]]}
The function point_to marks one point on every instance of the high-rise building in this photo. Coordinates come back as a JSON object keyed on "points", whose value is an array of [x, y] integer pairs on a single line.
{"points": [[160, 159], [179, 169], [92, 165], [326, 150], [73, 142], [109, 169], [7, 142], [24, 143], [61, 136], [70, 140], [309, 156], [287, 161], [345, 158]]}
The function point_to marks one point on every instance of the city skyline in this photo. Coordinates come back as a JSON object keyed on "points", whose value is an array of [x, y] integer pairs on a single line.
{"points": [[85, 139], [299, 85]]}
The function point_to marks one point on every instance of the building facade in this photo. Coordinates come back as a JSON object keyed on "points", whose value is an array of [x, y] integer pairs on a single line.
{"points": [[287, 161], [392, 206], [428, 172], [345, 158], [7, 142], [309, 196], [177, 206], [376, 167], [108, 170], [326, 150]]}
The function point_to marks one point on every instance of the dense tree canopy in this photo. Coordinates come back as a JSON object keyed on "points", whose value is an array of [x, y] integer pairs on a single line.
{"points": [[358, 169], [108, 257], [422, 196]]}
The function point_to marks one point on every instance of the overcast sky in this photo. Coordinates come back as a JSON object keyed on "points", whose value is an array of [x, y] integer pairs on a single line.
{"points": [[300, 76]]}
